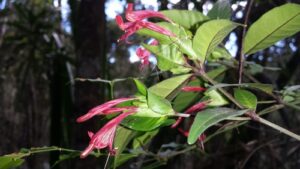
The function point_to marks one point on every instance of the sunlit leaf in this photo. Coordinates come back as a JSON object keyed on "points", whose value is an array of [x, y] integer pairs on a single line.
{"points": [[208, 118], [245, 98], [209, 35], [215, 97], [159, 104], [177, 16], [142, 89], [278, 23], [167, 87]]}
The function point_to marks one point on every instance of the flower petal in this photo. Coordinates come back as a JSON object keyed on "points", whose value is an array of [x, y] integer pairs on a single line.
{"points": [[140, 15], [156, 28], [105, 136], [99, 109]]}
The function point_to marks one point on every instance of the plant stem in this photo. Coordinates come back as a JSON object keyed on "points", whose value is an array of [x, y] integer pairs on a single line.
{"points": [[241, 58], [275, 126]]}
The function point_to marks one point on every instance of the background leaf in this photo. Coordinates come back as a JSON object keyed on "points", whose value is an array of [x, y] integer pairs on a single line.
{"points": [[209, 35], [194, 17], [208, 118], [221, 10], [276, 24], [245, 98]]}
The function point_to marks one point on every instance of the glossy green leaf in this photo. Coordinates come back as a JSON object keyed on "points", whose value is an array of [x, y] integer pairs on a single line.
{"points": [[122, 138], [278, 23], [144, 139], [169, 58], [245, 98], [208, 118], [142, 89], [144, 123], [182, 39], [221, 10], [159, 104], [216, 98], [209, 35], [177, 16], [167, 87], [8, 162]]}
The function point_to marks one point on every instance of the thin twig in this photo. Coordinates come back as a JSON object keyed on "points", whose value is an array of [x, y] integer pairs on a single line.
{"points": [[241, 59]]}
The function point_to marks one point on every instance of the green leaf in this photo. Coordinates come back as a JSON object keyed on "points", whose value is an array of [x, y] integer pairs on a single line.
{"points": [[216, 98], [144, 139], [182, 39], [245, 98], [209, 35], [144, 123], [142, 89], [8, 162], [208, 118], [219, 53], [159, 104], [122, 138], [177, 16], [278, 23], [169, 58], [169, 86], [220, 10]]}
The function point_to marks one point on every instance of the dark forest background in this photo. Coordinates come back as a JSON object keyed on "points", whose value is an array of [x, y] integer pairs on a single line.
{"points": [[40, 97]]}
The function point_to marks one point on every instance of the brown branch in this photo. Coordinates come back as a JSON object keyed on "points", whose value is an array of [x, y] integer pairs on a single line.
{"points": [[241, 58]]}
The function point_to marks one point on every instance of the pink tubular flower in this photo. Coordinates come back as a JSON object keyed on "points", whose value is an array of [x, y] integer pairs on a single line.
{"points": [[197, 107], [144, 54], [136, 22], [103, 109], [193, 89], [105, 136]]}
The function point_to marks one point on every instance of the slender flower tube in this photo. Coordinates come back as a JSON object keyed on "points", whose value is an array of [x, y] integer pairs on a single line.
{"points": [[136, 22], [105, 136], [197, 107], [144, 54], [102, 109], [193, 89]]}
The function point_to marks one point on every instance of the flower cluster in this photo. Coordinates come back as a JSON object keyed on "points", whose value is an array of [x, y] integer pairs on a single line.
{"points": [[105, 136], [136, 22]]}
